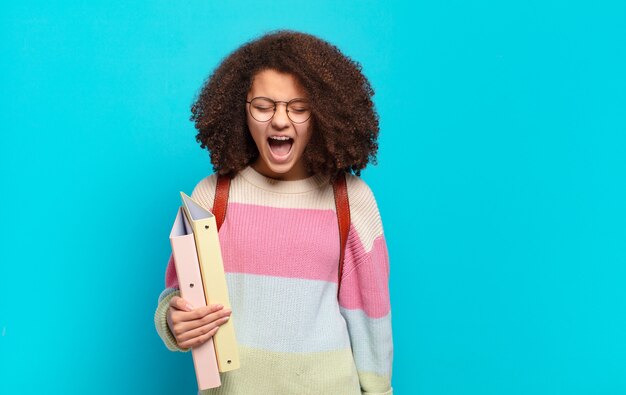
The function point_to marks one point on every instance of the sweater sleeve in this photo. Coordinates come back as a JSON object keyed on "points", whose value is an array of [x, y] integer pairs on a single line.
{"points": [[203, 193], [364, 295]]}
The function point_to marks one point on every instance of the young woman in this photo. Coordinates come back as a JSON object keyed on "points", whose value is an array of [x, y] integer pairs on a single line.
{"points": [[283, 117]]}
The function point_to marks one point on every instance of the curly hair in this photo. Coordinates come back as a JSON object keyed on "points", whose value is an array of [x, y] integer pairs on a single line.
{"points": [[345, 122]]}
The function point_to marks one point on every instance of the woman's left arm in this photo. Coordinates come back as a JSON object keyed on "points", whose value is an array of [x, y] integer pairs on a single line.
{"points": [[364, 295]]}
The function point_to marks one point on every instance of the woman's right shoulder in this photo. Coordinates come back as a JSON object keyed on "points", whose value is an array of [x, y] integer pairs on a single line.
{"points": [[204, 191]]}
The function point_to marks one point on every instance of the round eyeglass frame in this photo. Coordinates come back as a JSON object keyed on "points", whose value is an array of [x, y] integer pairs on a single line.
{"points": [[297, 99]]}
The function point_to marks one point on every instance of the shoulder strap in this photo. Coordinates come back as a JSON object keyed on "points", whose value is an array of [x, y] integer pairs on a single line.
{"points": [[220, 203], [343, 218]]}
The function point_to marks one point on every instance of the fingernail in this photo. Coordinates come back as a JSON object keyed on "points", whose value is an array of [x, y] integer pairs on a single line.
{"points": [[219, 306], [189, 307]]}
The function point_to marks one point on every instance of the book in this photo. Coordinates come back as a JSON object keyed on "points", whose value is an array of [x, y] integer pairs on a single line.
{"points": [[204, 228], [191, 289]]}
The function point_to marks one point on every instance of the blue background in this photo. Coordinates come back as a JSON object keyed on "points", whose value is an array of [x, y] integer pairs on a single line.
{"points": [[501, 183]]}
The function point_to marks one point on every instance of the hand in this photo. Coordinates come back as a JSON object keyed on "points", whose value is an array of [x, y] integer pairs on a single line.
{"points": [[192, 327]]}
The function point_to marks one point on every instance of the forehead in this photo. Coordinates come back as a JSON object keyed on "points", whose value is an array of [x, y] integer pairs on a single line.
{"points": [[276, 85]]}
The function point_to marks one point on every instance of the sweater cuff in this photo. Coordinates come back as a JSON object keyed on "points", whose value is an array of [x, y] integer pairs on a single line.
{"points": [[160, 322]]}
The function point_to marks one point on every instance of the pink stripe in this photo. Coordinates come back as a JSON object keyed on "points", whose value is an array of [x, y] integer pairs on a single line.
{"points": [[279, 242], [366, 274]]}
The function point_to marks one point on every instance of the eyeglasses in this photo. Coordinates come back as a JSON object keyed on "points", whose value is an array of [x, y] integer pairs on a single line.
{"points": [[263, 109]]}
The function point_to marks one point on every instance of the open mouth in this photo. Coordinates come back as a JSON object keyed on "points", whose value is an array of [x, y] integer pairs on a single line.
{"points": [[280, 146]]}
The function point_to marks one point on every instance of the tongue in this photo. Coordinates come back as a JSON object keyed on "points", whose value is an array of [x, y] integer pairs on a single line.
{"points": [[280, 147]]}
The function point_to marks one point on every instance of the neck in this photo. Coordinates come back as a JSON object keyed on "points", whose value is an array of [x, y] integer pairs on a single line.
{"points": [[298, 172]]}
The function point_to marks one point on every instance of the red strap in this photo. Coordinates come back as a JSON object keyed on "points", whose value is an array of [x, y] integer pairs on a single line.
{"points": [[220, 203], [343, 218]]}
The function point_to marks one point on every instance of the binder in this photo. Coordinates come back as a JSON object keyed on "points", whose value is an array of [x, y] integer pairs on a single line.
{"points": [[204, 229], [190, 283]]}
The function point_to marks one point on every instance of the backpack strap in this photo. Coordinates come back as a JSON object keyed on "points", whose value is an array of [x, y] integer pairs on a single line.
{"points": [[220, 203], [342, 205]]}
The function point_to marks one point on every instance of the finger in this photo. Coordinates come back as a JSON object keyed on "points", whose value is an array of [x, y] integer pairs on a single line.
{"points": [[202, 318], [183, 327], [180, 304], [181, 319], [200, 312], [198, 340], [202, 330]]}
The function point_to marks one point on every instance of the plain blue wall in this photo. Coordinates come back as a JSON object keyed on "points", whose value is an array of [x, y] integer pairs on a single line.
{"points": [[501, 183]]}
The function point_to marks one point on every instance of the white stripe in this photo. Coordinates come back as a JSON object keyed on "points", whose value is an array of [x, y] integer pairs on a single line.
{"points": [[364, 214], [286, 314], [372, 343], [244, 192]]}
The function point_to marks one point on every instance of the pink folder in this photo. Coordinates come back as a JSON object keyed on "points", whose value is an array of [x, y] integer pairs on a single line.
{"points": [[191, 289]]}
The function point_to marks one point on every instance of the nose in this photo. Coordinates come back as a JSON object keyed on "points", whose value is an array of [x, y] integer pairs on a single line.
{"points": [[280, 120]]}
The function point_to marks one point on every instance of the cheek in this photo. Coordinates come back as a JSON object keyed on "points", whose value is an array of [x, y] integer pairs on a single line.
{"points": [[305, 135]]}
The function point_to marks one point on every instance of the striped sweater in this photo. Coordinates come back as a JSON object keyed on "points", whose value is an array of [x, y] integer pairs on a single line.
{"points": [[280, 247]]}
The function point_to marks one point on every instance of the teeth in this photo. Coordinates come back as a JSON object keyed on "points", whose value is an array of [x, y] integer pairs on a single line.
{"points": [[281, 138]]}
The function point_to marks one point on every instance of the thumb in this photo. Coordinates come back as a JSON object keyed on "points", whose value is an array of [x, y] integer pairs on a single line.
{"points": [[181, 304]]}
